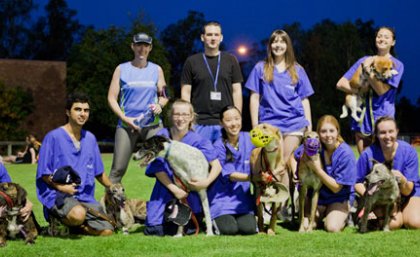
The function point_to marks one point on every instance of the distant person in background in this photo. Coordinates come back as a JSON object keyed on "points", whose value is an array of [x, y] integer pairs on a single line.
{"points": [[279, 93], [139, 86], [231, 204], [380, 101], [29, 155], [405, 164], [211, 81]]}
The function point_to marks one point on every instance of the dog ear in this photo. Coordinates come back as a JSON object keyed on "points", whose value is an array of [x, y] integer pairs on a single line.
{"points": [[389, 164], [374, 161], [21, 195]]}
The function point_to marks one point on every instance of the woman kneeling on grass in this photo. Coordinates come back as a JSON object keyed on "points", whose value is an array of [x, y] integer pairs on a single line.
{"points": [[337, 170], [405, 165], [231, 203], [182, 118]]}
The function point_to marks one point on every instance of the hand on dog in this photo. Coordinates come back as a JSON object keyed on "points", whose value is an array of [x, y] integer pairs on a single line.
{"points": [[314, 165], [26, 211], [198, 185], [266, 177], [400, 177], [68, 189], [180, 194]]}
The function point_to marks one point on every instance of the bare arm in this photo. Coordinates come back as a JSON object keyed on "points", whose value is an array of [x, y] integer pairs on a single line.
{"points": [[215, 170], [360, 188], [163, 100], [104, 180], [237, 95], [254, 105], [26, 211], [33, 155], [378, 86], [307, 109], [186, 92], [406, 187], [238, 176], [113, 92], [65, 188], [344, 85], [170, 185], [326, 179]]}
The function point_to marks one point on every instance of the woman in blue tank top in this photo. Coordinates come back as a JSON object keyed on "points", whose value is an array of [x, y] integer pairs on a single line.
{"points": [[139, 87]]}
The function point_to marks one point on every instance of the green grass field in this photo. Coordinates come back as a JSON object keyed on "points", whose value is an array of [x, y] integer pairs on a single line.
{"points": [[285, 243]]}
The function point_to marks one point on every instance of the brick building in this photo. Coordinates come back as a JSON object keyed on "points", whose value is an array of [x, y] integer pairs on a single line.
{"points": [[47, 81]]}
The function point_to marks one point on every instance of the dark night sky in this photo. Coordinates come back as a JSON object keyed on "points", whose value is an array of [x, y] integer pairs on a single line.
{"points": [[249, 21]]}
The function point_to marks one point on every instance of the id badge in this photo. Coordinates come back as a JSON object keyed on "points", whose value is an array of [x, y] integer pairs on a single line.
{"points": [[215, 96]]}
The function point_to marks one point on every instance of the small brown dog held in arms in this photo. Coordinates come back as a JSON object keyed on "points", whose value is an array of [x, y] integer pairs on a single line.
{"points": [[269, 175], [124, 212], [381, 191], [12, 199], [308, 179], [382, 68]]}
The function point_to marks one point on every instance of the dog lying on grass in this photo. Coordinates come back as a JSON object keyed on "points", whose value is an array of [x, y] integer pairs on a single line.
{"points": [[382, 67], [12, 199], [267, 168], [308, 179], [187, 163], [124, 212], [381, 190]]}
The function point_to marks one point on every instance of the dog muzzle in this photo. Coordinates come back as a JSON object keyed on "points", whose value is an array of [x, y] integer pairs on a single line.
{"points": [[312, 146], [258, 138]]}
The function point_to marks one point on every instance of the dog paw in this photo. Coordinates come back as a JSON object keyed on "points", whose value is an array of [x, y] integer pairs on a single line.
{"points": [[178, 235], [271, 232]]}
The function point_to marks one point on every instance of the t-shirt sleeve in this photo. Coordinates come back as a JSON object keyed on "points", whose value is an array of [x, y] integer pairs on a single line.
{"points": [[186, 75], [227, 167], [158, 165], [344, 167], [411, 165], [46, 157], [253, 82], [99, 165], [349, 74], [362, 167], [206, 147], [304, 86], [394, 81], [4, 175]]}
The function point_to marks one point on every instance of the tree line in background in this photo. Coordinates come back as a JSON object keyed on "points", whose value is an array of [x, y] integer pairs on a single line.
{"points": [[325, 50]]}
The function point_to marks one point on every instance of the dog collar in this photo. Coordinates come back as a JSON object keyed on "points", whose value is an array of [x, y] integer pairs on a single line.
{"points": [[272, 151], [7, 198]]}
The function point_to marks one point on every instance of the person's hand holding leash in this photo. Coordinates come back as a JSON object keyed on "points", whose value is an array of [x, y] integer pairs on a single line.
{"points": [[180, 194]]}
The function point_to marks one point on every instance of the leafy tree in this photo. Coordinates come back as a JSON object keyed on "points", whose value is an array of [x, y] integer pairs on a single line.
{"points": [[53, 36], [182, 39], [15, 105], [92, 63], [14, 23]]}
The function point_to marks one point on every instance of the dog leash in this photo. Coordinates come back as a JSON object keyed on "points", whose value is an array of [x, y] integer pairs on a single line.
{"points": [[7, 198], [99, 214], [266, 164], [184, 201]]}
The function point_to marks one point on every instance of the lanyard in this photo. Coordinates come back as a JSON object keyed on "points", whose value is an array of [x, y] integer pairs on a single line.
{"points": [[211, 73]]}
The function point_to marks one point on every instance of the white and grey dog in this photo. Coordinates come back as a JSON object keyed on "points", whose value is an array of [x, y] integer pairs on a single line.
{"points": [[187, 163]]}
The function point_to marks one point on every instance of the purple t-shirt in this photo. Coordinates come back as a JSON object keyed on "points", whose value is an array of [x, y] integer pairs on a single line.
{"points": [[161, 195], [405, 161], [342, 169], [280, 100], [57, 151], [4, 175], [383, 105], [232, 197]]}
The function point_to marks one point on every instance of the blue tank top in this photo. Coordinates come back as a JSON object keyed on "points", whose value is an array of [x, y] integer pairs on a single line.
{"points": [[138, 89]]}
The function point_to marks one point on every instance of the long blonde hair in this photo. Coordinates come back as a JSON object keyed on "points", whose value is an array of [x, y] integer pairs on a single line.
{"points": [[289, 57]]}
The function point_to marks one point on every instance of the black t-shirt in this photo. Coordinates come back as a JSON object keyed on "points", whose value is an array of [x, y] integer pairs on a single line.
{"points": [[196, 74]]}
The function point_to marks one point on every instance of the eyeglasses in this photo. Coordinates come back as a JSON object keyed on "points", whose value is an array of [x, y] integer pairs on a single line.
{"points": [[183, 115]]}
